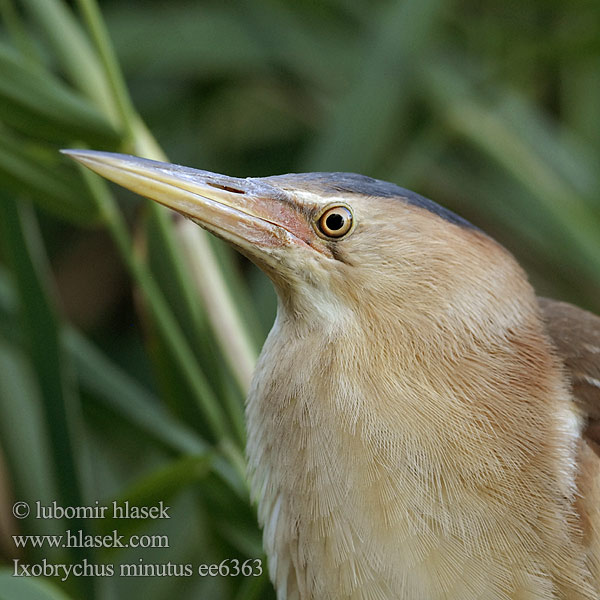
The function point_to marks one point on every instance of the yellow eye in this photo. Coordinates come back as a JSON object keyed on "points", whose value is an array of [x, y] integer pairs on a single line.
{"points": [[335, 222]]}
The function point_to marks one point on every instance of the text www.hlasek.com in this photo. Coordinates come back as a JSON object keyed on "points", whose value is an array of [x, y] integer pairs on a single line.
{"points": [[78, 539]]}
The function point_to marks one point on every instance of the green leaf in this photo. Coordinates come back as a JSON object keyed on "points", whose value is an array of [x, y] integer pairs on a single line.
{"points": [[361, 122], [246, 538], [121, 393], [195, 39], [256, 588], [23, 246], [42, 176], [530, 152], [27, 588], [165, 260], [159, 486], [75, 53], [24, 442], [580, 91], [117, 390], [506, 210], [166, 324], [35, 102], [126, 397], [8, 308]]}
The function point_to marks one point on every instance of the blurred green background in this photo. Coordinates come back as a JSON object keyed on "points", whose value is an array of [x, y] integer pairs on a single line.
{"points": [[127, 338]]}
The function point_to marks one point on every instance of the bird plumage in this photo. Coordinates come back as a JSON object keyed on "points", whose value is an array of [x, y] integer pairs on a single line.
{"points": [[417, 440], [420, 427]]}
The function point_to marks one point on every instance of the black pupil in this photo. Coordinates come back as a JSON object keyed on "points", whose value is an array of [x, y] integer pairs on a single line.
{"points": [[335, 221]]}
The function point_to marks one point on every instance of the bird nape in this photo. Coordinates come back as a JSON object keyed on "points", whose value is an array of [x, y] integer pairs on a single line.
{"points": [[420, 425]]}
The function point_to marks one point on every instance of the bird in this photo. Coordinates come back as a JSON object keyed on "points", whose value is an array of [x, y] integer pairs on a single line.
{"points": [[420, 425]]}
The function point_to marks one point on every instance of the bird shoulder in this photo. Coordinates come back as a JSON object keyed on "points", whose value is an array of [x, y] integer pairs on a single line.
{"points": [[576, 335]]}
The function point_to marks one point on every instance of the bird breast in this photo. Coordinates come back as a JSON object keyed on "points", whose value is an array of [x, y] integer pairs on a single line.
{"points": [[414, 471]]}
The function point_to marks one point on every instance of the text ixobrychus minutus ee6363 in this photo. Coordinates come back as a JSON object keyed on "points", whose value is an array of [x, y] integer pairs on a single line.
{"points": [[420, 425]]}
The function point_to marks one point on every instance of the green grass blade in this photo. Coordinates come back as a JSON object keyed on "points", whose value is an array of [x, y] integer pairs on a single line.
{"points": [[38, 173], [162, 485], [524, 152], [504, 209], [192, 40], [580, 91], [107, 383], [27, 588], [112, 70], [127, 398], [362, 119], [162, 253], [256, 588], [166, 322], [37, 103], [24, 441], [226, 321], [13, 22], [24, 249], [74, 51]]}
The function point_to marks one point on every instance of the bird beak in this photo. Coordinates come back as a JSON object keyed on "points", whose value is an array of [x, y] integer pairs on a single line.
{"points": [[249, 213]]}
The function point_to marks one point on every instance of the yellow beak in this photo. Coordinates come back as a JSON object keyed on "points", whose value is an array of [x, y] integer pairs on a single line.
{"points": [[249, 213]]}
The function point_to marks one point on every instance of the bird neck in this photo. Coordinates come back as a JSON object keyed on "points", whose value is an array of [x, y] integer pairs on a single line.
{"points": [[378, 455]]}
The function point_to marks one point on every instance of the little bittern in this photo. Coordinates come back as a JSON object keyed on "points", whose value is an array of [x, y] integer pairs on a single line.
{"points": [[420, 425]]}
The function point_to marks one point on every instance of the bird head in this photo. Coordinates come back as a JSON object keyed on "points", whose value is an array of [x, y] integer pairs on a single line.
{"points": [[335, 244]]}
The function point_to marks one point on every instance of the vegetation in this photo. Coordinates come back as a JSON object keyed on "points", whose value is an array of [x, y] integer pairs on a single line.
{"points": [[127, 338]]}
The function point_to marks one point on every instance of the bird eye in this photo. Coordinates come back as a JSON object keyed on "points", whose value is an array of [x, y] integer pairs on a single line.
{"points": [[335, 222]]}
